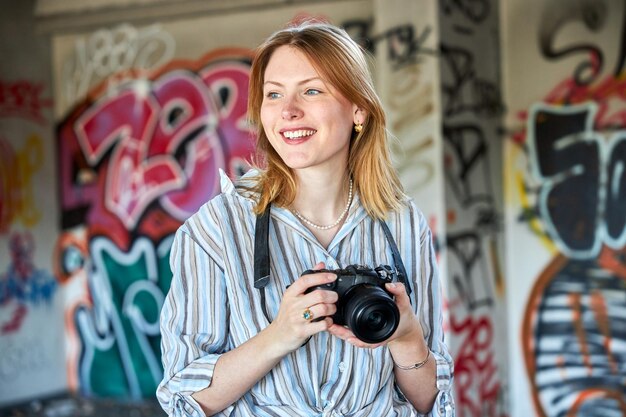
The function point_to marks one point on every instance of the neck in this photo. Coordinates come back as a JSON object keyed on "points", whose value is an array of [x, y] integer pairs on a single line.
{"points": [[324, 204]]}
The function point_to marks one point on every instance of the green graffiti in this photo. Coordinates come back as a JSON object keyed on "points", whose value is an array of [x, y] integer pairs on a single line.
{"points": [[120, 334]]}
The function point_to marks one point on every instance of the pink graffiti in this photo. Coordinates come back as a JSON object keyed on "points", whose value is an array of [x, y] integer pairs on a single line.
{"points": [[476, 382], [15, 322], [570, 92], [23, 99], [144, 159]]}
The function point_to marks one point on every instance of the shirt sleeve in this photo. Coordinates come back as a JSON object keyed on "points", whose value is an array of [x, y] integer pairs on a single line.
{"points": [[194, 322], [431, 318]]}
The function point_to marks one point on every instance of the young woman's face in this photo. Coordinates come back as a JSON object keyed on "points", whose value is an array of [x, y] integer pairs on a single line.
{"points": [[305, 119]]}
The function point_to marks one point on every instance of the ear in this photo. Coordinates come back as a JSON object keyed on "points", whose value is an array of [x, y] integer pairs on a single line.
{"points": [[359, 115]]}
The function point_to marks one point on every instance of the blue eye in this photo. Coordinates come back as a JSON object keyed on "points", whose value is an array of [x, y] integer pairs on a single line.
{"points": [[312, 92], [272, 95]]}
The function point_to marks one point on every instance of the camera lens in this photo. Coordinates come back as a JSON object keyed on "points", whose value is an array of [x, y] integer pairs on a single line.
{"points": [[371, 313], [376, 320]]}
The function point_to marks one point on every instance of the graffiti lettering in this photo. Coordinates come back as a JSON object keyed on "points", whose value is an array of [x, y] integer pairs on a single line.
{"points": [[474, 10], [475, 367], [161, 142], [17, 202], [573, 339], [471, 107], [108, 52], [22, 280], [141, 168], [607, 116], [593, 14], [463, 91], [468, 273], [23, 99], [121, 332], [134, 164], [404, 43], [568, 156]]}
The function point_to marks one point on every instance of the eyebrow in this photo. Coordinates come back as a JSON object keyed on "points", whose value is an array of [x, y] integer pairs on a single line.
{"points": [[299, 83]]}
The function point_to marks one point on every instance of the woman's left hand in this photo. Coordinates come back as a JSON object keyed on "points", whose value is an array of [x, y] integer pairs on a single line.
{"points": [[409, 328]]}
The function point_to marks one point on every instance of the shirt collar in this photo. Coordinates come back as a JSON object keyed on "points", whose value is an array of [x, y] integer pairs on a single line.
{"points": [[242, 187], [356, 214]]}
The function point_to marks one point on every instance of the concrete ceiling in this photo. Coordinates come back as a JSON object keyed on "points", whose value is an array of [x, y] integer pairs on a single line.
{"points": [[62, 16]]}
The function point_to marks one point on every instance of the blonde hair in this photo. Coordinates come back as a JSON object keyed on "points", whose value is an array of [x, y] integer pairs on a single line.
{"points": [[342, 63]]}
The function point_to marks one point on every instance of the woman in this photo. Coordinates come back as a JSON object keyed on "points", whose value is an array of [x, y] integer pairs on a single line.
{"points": [[230, 349]]}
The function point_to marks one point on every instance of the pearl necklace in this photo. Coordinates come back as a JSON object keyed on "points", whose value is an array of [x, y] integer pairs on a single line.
{"points": [[335, 223]]}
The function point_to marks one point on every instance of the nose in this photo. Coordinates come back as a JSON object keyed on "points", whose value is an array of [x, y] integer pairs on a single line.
{"points": [[291, 109]]}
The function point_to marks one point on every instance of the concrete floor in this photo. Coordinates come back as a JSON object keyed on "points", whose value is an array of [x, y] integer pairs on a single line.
{"points": [[74, 406]]}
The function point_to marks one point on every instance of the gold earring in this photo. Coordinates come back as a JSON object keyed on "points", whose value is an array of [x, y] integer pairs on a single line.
{"points": [[358, 127]]}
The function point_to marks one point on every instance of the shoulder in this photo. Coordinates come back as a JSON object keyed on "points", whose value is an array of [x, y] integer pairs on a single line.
{"points": [[211, 219], [409, 214], [234, 194]]}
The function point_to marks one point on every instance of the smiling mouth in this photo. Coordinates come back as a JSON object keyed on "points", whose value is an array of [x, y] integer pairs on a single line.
{"points": [[298, 134]]}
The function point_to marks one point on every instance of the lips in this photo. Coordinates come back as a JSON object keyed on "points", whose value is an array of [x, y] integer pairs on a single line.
{"points": [[298, 134]]}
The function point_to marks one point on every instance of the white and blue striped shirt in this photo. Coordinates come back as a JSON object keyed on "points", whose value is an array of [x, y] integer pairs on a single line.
{"points": [[213, 307]]}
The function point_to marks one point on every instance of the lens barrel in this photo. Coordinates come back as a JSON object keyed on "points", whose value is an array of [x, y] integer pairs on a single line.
{"points": [[371, 313]]}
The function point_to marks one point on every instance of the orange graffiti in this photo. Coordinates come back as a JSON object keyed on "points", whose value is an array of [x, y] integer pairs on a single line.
{"points": [[70, 259], [593, 394], [17, 197]]}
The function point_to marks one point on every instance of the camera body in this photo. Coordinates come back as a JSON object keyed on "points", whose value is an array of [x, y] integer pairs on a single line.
{"points": [[364, 305]]}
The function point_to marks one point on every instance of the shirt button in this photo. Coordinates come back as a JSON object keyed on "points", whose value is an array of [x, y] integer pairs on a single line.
{"points": [[342, 366]]}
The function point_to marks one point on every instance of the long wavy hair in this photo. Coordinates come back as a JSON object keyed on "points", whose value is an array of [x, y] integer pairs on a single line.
{"points": [[341, 62]]}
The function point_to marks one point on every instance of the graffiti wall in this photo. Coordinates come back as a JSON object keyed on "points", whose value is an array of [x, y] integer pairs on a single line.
{"points": [[101, 164], [566, 206], [404, 43], [31, 327], [146, 119], [471, 122]]}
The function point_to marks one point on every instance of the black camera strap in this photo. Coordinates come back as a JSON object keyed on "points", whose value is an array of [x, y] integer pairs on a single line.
{"points": [[397, 259], [262, 256]]}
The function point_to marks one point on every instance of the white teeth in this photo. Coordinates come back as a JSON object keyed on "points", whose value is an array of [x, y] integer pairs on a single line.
{"points": [[296, 134]]}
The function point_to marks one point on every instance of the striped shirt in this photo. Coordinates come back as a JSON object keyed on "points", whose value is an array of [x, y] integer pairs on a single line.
{"points": [[213, 307]]}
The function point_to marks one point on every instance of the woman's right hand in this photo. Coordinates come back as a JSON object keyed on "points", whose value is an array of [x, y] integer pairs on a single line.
{"points": [[290, 328]]}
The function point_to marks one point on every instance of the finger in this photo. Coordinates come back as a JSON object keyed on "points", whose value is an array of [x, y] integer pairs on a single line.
{"points": [[319, 265], [319, 311], [319, 326], [340, 331], [319, 296], [347, 335], [311, 280], [398, 290]]}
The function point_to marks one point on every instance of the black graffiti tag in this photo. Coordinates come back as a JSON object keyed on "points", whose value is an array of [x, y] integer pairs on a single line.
{"points": [[582, 196]]}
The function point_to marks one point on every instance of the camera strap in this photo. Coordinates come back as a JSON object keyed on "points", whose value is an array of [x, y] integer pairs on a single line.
{"points": [[397, 259], [262, 256]]}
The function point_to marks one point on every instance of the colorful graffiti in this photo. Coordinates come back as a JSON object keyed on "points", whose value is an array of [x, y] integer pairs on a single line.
{"points": [[573, 334], [17, 194], [136, 161], [120, 332], [408, 96], [114, 55], [22, 282], [472, 107], [24, 99]]}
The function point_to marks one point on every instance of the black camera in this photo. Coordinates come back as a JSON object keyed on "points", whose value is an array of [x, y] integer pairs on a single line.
{"points": [[364, 305]]}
